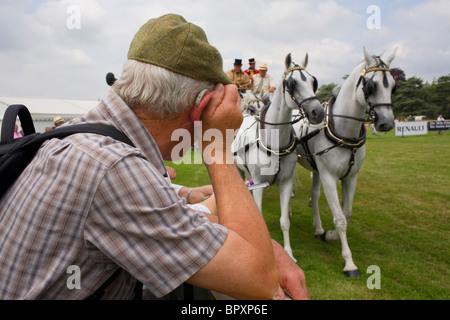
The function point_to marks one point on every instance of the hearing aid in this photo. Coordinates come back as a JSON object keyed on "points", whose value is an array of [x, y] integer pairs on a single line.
{"points": [[200, 96], [200, 103]]}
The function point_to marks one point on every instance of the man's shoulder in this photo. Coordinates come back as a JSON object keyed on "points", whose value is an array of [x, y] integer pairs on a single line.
{"points": [[97, 147]]}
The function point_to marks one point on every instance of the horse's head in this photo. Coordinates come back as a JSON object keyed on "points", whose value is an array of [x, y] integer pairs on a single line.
{"points": [[250, 103], [377, 85], [300, 88]]}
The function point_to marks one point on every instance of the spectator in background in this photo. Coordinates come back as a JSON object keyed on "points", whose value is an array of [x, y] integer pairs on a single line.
{"points": [[440, 118], [242, 80], [263, 84], [58, 121], [17, 133], [251, 71]]}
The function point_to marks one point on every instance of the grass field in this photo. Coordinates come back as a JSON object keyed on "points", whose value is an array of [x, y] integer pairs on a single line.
{"points": [[400, 222]]}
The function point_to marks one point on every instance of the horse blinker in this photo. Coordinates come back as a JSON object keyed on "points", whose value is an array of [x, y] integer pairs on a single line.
{"points": [[315, 84], [369, 87]]}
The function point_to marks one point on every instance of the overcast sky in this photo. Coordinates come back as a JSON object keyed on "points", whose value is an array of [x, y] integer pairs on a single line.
{"points": [[63, 49]]}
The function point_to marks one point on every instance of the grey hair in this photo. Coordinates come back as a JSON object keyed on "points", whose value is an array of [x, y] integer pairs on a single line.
{"points": [[164, 93]]}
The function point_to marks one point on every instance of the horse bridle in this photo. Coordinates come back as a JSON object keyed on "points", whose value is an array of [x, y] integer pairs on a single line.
{"points": [[368, 86], [288, 85]]}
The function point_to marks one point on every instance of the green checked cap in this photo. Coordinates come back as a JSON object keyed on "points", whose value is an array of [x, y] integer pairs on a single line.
{"points": [[173, 43]]}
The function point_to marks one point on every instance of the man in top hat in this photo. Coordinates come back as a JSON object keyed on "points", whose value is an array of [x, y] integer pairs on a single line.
{"points": [[96, 212], [263, 84], [242, 80], [252, 69]]}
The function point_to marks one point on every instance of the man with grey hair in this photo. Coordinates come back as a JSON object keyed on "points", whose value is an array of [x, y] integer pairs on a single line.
{"points": [[89, 208]]}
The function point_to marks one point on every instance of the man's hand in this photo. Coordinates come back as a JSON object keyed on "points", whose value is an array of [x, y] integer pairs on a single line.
{"points": [[291, 277], [198, 193], [171, 172], [222, 113]]}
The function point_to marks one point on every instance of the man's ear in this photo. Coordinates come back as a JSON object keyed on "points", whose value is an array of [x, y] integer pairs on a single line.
{"points": [[202, 100]]}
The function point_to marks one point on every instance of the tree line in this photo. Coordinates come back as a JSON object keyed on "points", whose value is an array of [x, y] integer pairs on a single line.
{"points": [[413, 97]]}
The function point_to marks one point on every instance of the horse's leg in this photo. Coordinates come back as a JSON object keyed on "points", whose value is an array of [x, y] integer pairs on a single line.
{"points": [[340, 222], [285, 190], [258, 197], [348, 194], [315, 195]]}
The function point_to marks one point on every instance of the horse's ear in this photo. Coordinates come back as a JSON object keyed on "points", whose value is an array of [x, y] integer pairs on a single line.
{"points": [[288, 61], [305, 62], [391, 57], [370, 61]]}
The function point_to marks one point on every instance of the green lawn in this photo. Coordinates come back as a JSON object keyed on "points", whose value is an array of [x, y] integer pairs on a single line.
{"points": [[400, 222]]}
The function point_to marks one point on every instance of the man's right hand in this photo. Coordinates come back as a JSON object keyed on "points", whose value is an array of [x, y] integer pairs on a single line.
{"points": [[222, 112]]}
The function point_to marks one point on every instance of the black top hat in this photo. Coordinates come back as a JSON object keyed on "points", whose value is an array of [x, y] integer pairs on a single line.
{"points": [[251, 60], [238, 62]]}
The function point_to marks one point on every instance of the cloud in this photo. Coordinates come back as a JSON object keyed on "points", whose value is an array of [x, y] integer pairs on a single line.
{"points": [[422, 33], [40, 56]]}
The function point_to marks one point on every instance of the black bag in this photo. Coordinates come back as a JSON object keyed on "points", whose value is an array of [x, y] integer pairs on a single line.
{"points": [[16, 154]]}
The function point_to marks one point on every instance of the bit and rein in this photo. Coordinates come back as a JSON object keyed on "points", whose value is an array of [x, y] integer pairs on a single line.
{"points": [[293, 138], [351, 143], [363, 80], [381, 67]]}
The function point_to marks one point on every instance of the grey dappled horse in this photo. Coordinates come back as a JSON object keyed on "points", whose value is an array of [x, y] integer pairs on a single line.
{"points": [[265, 145], [334, 149]]}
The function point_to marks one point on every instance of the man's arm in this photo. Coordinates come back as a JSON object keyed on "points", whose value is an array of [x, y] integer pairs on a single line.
{"points": [[244, 267], [291, 277]]}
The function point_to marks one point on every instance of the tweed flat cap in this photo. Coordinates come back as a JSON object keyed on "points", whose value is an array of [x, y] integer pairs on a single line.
{"points": [[173, 43]]}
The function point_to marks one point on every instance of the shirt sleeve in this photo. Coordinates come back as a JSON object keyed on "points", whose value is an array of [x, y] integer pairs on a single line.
{"points": [[177, 188], [139, 222]]}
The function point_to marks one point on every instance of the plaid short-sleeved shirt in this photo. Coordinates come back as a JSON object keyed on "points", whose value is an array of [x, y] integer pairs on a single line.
{"points": [[87, 205]]}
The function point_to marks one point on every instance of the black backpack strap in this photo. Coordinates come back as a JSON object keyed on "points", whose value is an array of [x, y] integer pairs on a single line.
{"points": [[19, 110], [98, 128], [9, 121]]}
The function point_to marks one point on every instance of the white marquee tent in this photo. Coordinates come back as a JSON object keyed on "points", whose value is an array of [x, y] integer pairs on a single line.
{"points": [[44, 110]]}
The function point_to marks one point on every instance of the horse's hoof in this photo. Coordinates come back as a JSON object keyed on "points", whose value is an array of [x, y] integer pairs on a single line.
{"points": [[352, 273], [322, 236]]}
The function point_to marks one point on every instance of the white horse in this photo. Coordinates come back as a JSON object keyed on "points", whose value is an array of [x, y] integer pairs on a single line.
{"points": [[265, 145], [334, 150], [251, 104]]}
